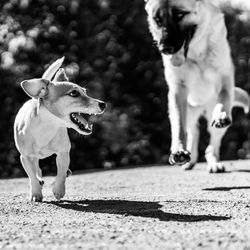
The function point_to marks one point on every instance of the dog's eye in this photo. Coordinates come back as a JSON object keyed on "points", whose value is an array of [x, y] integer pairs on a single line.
{"points": [[158, 20], [74, 93], [178, 15]]}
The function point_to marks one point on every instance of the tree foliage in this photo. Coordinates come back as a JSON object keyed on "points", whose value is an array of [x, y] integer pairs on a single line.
{"points": [[109, 50]]}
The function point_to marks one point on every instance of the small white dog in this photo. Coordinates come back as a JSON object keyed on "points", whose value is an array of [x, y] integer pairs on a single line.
{"points": [[40, 128]]}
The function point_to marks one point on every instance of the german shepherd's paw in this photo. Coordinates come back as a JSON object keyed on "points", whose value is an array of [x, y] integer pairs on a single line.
{"points": [[216, 168], [221, 120], [179, 158], [188, 166]]}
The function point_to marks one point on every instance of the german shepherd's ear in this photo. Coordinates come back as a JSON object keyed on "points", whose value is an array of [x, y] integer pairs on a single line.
{"points": [[36, 88], [61, 76]]}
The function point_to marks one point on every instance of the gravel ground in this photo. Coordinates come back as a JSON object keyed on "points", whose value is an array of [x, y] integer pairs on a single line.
{"points": [[136, 208]]}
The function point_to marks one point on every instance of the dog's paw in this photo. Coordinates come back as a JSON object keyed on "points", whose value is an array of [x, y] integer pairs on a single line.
{"points": [[180, 157], [188, 166], [216, 168], [59, 190], [38, 197], [36, 191], [221, 120]]}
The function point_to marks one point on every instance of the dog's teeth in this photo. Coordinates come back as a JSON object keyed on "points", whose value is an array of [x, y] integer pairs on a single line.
{"points": [[86, 126]]}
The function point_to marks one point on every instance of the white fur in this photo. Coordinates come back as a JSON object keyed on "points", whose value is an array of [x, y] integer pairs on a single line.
{"points": [[40, 127]]}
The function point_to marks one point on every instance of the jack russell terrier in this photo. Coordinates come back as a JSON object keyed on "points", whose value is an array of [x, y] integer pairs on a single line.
{"points": [[40, 127]]}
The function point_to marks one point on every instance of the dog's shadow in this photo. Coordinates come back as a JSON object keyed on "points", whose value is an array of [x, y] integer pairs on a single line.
{"points": [[132, 208], [226, 188]]}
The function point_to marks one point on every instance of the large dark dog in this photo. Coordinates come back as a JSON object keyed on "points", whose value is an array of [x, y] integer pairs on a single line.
{"points": [[192, 38]]}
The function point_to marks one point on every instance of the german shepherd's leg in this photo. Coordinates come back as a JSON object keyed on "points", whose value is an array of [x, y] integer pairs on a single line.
{"points": [[177, 101], [221, 116], [193, 134], [212, 153]]}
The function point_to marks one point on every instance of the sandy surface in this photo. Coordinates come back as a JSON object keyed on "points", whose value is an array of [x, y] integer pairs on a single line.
{"points": [[137, 208]]}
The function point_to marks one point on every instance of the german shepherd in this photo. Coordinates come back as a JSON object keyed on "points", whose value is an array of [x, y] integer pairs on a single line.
{"points": [[192, 38]]}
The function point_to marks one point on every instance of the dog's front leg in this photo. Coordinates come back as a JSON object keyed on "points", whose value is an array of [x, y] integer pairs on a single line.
{"points": [[62, 162], [30, 165], [177, 99], [221, 116]]}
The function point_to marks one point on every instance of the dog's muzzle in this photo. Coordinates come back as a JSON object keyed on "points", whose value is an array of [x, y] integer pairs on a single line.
{"points": [[180, 48]]}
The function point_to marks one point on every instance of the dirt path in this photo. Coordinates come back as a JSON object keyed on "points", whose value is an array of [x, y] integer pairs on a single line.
{"points": [[140, 208]]}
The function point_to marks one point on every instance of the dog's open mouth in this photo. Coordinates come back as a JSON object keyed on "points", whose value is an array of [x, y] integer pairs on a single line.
{"points": [[82, 121]]}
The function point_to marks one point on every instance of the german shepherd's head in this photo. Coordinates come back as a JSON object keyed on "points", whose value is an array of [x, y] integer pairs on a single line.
{"points": [[173, 24]]}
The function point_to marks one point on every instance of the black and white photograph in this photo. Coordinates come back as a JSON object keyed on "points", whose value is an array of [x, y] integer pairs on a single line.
{"points": [[125, 124]]}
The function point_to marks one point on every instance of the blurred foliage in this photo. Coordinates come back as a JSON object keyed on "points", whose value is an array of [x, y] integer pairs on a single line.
{"points": [[109, 50]]}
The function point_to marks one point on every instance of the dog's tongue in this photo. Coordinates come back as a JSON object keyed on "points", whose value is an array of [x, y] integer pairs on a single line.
{"points": [[178, 58], [81, 119]]}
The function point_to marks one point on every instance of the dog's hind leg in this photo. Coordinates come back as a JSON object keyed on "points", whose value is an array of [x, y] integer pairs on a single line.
{"points": [[39, 175], [212, 153], [30, 165], [193, 135], [221, 116], [241, 99], [62, 162]]}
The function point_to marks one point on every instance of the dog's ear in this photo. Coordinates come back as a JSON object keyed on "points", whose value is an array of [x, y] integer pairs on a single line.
{"points": [[53, 68], [61, 76], [36, 88]]}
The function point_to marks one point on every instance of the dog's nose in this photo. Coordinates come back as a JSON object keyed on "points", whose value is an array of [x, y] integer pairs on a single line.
{"points": [[102, 106]]}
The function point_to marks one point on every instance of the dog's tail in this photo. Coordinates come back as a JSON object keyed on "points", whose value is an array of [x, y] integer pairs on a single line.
{"points": [[241, 99], [52, 69]]}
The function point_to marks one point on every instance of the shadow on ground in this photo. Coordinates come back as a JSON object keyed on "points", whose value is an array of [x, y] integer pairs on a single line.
{"points": [[225, 188], [132, 208], [241, 170]]}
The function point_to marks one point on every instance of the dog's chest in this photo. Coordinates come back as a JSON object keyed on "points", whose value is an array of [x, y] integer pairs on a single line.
{"points": [[202, 83], [48, 142]]}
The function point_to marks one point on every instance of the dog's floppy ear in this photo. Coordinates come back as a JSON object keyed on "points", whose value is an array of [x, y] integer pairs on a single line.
{"points": [[61, 76], [36, 88]]}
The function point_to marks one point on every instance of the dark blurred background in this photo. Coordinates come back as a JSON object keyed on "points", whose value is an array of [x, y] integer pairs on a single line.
{"points": [[108, 49]]}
